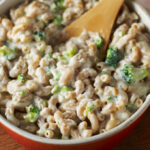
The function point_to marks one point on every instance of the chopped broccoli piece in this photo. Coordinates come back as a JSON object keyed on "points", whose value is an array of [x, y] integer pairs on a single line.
{"points": [[54, 7], [112, 98], [57, 6], [56, 74], [65, 137], [122, 34], [113, 57], [131, 107], [57, 77], [99, 42], [66, 88], [9, 53], [104, 72], [61, 90], [7, 43], [39, 36], [89, 109], [44, 130], [62, 58], [56, 90], [44, 103], [23, 93], [32, 115], [132, 75], [60, 4], [41, 47], [48, 56], [21, 78], [58, 20], [71, 52]]}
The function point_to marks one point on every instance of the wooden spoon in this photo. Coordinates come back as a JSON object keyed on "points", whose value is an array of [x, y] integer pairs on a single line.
{"points": [[100, 19]]}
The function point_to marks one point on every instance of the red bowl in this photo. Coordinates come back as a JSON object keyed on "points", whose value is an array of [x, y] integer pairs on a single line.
{"points": [[103, 141]]}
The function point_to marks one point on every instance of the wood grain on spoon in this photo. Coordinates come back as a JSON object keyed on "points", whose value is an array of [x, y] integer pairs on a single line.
{"points": [[100, 19]]}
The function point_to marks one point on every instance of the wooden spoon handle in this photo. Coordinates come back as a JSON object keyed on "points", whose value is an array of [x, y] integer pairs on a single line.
{"points": [[99, 19]]}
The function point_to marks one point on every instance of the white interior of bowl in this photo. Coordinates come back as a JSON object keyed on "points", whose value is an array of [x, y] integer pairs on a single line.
{"points": [[145, 17]]}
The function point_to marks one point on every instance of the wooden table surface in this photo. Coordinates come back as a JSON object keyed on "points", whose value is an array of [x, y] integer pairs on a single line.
{"points": [[138, 140]]}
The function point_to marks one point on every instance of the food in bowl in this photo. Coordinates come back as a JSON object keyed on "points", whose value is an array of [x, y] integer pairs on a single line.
{"points": [[61, 89]]}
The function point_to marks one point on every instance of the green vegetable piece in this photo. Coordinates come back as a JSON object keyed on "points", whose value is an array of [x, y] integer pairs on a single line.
{"points": [[57, 76], [44, 103], [113, 57], [89, 109], [54, 7], [132, 75], [104, 72], [57, 6], [66, 89], [71, 52], [122, 34], [21, 78], [39, 36], [48, 56], [32, 115], [9, 53], [23, 93], [7, 43], [99, 42], [41, 47], [131, 107], [58, 20], [112, 98], [63, 58], [43, 130], [56, 90], [60, 4], [65, 137]]}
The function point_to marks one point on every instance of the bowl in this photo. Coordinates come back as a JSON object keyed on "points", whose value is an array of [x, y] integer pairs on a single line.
{"points": [[103, 141]]}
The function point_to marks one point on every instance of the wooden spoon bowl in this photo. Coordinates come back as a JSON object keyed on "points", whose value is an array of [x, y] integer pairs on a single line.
{"points": [[100, 19]]}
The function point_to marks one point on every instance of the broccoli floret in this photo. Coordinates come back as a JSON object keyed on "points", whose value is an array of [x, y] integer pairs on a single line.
{"points": [[66, 89], [58, 20], [23, 93], [132, 75], [39, 36], [72, 52], [60, 4], [32, 114], [89, 109], [55, 90], [9, 53], [131, 107], [65, 137], [113, 57], [57, 5], [112, 98], [21, 78], [41, 47], [99, 42]]}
